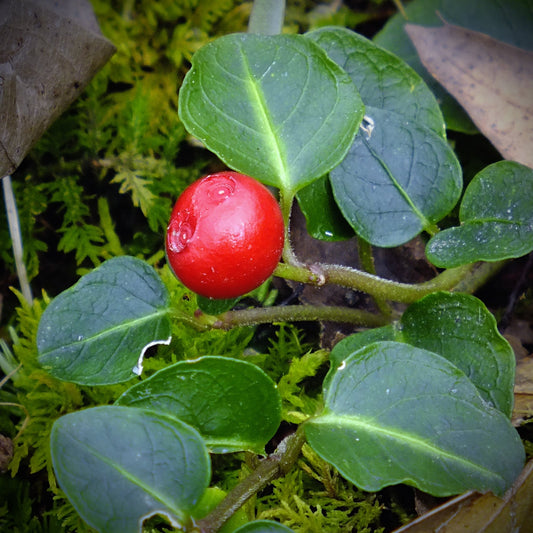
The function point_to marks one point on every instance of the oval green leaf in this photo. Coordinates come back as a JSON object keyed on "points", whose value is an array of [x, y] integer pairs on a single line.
{"points": [[120, 465], [496, 217], [458, 327], [398, 414], [350, 344], [384, 80], [233, 404], [96, 332], [461, 329], [271, 106], [397, 181]]}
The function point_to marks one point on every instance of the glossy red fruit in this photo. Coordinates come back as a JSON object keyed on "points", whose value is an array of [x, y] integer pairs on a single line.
{"points": [[225, 235]]}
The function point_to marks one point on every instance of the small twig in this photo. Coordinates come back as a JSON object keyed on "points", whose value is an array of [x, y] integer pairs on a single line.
{"points": [[267, 17], [274, 466], [16, 238]]}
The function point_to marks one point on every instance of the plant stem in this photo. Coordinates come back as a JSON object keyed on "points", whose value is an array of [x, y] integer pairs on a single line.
{"points": [[267, 17], [286, 200], [274, 466], [16, 238], [298, 313], [480, 274], [366, 258], [381, 288]]}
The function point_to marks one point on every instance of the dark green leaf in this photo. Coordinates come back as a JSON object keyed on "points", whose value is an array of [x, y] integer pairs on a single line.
{"points": [[211, 306], [461, 329], [496, 219], [509, 21], [396, 182], [271, 106], [263, 526], [119, 465], [384, 80], [233, 404], [96, 332], [398, 414], [458, 327], [324, 220]]}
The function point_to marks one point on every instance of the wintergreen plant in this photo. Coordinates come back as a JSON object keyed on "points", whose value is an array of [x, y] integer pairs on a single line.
{"points": [[346, 129]]}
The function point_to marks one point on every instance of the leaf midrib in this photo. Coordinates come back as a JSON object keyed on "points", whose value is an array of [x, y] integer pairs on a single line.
{"points": [[157, 497], [128, 324], [425, 222], [359, 423], [277, 153]]}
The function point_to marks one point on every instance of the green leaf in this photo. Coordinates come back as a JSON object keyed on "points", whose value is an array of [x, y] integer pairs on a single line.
{"points": [[263, 526], [461, 329], [96, 332], [211, 306], [458, 327], [496, 217], [396, 182], [120, 465], [509, 21], [398, 414], [233, 404], [384, 80], [271, 106], [324, 219]]}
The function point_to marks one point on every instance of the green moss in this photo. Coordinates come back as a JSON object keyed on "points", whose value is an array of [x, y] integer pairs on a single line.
{"points": [[312, 498]]}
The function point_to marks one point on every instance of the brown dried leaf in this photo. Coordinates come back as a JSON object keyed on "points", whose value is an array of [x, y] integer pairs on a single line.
{"points": [[49, 51], [492, 80], [523, 391], [482, 513]]}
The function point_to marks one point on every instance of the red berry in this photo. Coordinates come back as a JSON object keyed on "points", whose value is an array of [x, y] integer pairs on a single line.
{"points": [[225, 235]]}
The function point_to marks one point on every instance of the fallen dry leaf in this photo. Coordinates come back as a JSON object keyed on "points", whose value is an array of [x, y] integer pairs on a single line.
{"points": [[48, 53], [492, 80], [482, 513], [523, 391]]}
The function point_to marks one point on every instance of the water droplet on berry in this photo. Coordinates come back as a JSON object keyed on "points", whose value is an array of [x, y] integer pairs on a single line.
{"points": [[181, 233], [219, 188]]}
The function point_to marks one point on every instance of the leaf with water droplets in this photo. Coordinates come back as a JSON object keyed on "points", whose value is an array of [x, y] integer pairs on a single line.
{"points": [[96, 332], [120, 465], [396, 181], [399, 414], [496, 217], [460, 328]]}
